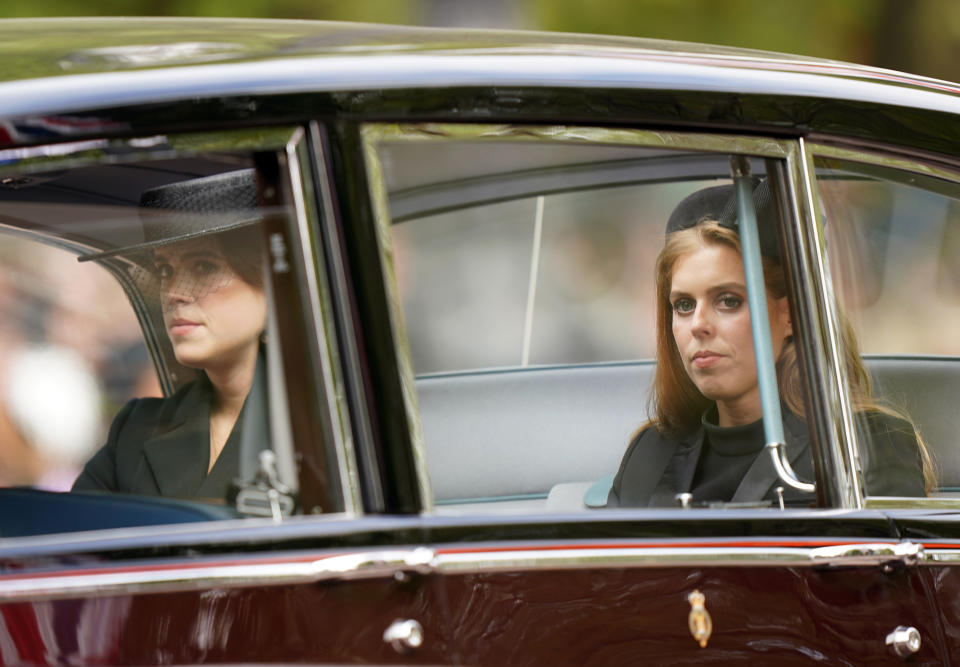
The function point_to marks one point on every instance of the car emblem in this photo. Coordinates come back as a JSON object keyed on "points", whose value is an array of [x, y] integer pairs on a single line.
{"points": [[699, 621]]}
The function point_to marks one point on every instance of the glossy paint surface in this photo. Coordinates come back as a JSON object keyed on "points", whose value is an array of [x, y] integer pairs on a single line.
{"points": [[493, 604], [944, 585], [59, 47], [628, 617], [325, 623]]}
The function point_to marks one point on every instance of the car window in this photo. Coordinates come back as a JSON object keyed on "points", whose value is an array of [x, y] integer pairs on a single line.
{"points": [[893, 240], [525, 271], [141, 342]]}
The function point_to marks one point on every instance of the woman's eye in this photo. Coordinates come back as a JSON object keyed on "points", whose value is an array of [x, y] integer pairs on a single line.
{"points": [[203, 267], [730, 302], [165, 271], [683, 306]]}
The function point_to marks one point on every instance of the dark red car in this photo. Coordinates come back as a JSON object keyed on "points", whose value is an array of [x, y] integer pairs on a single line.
{"points": [[456, 235]]}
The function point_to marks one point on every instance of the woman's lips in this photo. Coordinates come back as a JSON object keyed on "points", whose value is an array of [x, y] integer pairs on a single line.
{"points": [[706, 359], [181, 327]]}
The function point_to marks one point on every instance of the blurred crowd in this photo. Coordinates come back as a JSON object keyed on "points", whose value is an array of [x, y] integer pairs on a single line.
{"points": [[71, 353]]}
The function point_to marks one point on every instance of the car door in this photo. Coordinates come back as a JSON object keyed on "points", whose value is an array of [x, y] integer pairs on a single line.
{"points": [[285, 569], [892, 227], [519, 261]]}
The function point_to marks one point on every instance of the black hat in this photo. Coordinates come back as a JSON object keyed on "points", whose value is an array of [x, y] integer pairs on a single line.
{"points": [[719, 203], [192, 209]]}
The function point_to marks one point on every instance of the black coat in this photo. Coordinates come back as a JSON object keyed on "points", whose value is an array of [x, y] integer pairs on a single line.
{"points": [[657, 467], [161, 447]]}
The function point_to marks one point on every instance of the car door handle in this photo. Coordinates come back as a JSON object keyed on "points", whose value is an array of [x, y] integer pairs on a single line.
{"points": [[885, 555], [404, 636]]}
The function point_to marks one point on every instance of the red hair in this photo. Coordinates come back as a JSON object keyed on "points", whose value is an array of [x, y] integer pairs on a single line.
{"points": [[677, 405]]}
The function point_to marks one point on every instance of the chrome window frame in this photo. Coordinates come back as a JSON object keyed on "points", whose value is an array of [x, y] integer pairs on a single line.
{"points": [[893, 160], [303, 158], [813, 274], [344, 357]]}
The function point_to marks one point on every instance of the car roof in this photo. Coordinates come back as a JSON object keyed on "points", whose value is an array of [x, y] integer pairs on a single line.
{"points": [[52, 65]]}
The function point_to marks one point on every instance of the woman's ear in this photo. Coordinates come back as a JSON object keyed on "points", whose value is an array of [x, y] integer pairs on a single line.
{"points": [[783, 316]]}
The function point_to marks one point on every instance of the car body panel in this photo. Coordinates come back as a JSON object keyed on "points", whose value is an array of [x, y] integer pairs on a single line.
{"points": [[618, 599], [298, 57]]}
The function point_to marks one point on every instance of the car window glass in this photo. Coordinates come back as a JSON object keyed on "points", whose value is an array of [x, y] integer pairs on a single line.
{"points": [[134, 343], [525, 271], [527, 281], [893, 240]]}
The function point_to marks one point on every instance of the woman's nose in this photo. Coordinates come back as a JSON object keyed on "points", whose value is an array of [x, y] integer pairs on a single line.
{"points": [[701, 321], [175, 292]]}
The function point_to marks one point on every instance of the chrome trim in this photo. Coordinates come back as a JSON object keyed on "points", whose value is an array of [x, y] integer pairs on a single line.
{"points": [[319, 312], [882, 554], [404, 636], [363, 565], [904, 641], [785, 471], [331, 266], [934, 556], [715, 143], [618, 67], [520, 559], [74, 154], [824, 339], [399, 563], [882, 160]]}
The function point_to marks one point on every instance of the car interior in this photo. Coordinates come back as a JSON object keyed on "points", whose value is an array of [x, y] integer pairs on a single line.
{"points": [[551, 438]]}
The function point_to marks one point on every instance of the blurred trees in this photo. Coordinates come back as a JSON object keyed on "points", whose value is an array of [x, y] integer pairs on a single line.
{"points": [[920, 36], [382, 11]]}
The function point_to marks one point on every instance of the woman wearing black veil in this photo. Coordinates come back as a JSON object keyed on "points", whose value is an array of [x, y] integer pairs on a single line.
{"points": [[203, 246]]}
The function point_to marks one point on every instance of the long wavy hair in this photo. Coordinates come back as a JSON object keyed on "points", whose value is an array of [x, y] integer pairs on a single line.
{"points": [[676, 403]]}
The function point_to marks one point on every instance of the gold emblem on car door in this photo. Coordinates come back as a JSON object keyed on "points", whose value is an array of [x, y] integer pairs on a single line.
{"points": [[699, 621]]}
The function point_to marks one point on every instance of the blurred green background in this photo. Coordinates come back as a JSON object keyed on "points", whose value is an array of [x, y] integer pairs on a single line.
{"points": [[919, 36]]}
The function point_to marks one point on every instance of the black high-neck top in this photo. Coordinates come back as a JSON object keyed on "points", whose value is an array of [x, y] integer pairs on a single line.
{"points": [[728, 452]]}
